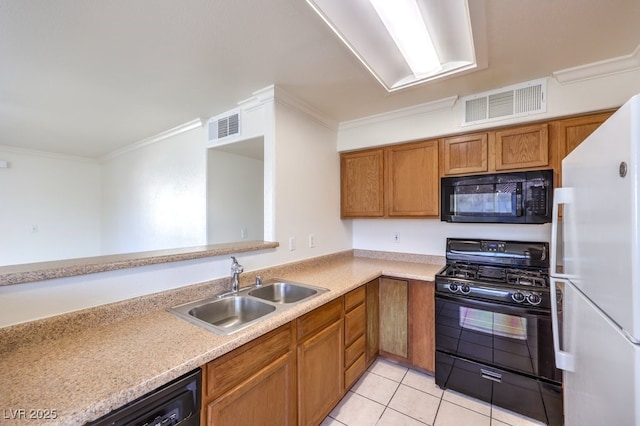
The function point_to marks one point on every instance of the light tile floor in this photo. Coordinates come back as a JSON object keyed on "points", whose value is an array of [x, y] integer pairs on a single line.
{"points": [[392, 395]]}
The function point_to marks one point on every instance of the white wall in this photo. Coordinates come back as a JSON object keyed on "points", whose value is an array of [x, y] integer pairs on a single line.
{"points": [[154, 197], [59, 196], [307, 186], [429, 236], [235, 197], [302, 175], [579, 97]]}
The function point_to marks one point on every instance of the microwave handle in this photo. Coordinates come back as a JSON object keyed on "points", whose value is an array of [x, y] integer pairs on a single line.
{"points": [[519, 208]]}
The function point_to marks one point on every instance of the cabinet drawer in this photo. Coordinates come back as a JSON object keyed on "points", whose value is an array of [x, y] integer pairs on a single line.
{"points": [[354, 298], [354, 351], [355, 323], [232, 368], [352, 373], [318, 319]]}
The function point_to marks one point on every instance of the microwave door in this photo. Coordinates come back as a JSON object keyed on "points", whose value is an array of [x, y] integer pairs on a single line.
{"points": [[491, 200]]}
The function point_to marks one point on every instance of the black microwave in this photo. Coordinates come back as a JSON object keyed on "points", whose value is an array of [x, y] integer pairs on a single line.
{"points": [[519, 197]]}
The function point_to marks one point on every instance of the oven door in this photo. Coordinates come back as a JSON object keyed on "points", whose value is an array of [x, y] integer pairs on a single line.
{"points": [[517, 339]]}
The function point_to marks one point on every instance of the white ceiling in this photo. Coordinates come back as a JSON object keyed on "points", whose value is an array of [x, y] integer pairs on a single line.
{"points": [[87, 77]]}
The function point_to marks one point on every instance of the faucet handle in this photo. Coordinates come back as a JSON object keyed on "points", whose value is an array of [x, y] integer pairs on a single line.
{"points": [[235, 266], [258, 281]]}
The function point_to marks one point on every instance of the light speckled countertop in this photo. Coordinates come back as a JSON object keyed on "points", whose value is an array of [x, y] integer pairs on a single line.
{"points": [[87, 373]]}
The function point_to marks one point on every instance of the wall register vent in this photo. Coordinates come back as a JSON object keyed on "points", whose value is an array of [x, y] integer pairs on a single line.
{"points": [[508, 102], [222, 127]]}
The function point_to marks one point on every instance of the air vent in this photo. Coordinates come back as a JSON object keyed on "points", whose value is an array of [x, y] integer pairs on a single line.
{"points": [[222, 127], [507, 102]]}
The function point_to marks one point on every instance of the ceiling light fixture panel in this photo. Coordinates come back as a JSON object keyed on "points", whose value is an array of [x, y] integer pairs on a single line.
{"points": [[376, 32]]}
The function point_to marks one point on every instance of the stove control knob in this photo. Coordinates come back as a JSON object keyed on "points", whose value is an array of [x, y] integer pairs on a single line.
{"points": [[453, 287], [465, 289], [518, 297], [534, 298]]}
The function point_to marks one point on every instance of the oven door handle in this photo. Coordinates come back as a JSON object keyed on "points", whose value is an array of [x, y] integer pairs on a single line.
{"points": [[564, 360]]}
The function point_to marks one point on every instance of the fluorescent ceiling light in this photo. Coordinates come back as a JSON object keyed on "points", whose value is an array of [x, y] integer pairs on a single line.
{"points": [[404, 22], [405, 42]]}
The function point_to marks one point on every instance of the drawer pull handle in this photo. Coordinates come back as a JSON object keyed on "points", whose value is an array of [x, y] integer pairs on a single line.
{"points": [[491, 375]]}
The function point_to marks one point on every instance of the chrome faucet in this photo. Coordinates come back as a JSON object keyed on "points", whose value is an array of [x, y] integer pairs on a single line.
{"points": [[236, 270]]}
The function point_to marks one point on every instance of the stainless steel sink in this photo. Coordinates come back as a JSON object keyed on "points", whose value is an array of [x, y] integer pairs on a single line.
{"points": [[226, 315], [232, 313], [283, 292]]}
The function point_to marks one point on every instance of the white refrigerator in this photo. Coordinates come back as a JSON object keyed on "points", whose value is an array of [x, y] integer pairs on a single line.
{"points": [[597, 243]]}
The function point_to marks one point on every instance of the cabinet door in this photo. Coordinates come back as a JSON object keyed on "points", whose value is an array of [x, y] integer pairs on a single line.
{"points": [[320, 374], [413, 182], [262, 400], [567, 134], [465, 154], [422, 325], [394, 318], [362, 183], [373, 320], [522, 147]]}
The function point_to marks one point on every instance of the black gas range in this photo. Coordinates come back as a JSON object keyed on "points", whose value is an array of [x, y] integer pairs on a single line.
{"points": [[493, 326], [508, 272]]}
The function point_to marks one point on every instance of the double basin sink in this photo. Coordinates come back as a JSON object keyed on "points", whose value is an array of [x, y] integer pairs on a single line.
{"points": [[228, 314]]}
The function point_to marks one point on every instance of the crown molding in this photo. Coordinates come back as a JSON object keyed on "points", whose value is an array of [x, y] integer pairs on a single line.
{"points": [[183, 128], [285, 98], [422, 109], [46, 154], [599, 69]]}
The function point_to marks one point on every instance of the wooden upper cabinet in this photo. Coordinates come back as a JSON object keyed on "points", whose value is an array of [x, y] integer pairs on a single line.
{"points": [[362, 183], [412, 179], [522, 147], [568, 134], [465, 154]]}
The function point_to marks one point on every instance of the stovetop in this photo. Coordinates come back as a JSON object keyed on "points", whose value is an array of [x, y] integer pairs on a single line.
{"points": [[510, 276], [509, 272]]}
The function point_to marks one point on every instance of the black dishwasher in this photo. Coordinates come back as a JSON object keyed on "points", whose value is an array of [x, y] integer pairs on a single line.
{"points": [[176, 403]]}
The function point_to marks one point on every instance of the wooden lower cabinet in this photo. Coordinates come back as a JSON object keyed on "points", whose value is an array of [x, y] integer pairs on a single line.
{"points": [[394, 318], [422, 330], [320, 362], [407, 322], [373, 320], [254, 384], [297, 373], [355, 330], [262, 400]]}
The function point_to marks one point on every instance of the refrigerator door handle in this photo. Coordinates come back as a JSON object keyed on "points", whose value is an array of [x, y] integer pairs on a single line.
{"points": [[560, 196], [564, 360]]}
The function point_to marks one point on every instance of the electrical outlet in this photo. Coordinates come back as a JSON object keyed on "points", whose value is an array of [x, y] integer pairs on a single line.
{"points": [[312, 240], [396, 237], [243, 233], [292, 243]]}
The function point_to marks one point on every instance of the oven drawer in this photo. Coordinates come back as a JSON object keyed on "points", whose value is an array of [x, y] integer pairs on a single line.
{"points": [[515, 392]]}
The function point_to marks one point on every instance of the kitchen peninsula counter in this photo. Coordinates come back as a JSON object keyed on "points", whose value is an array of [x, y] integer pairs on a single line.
{"points": [[99, 366]]}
